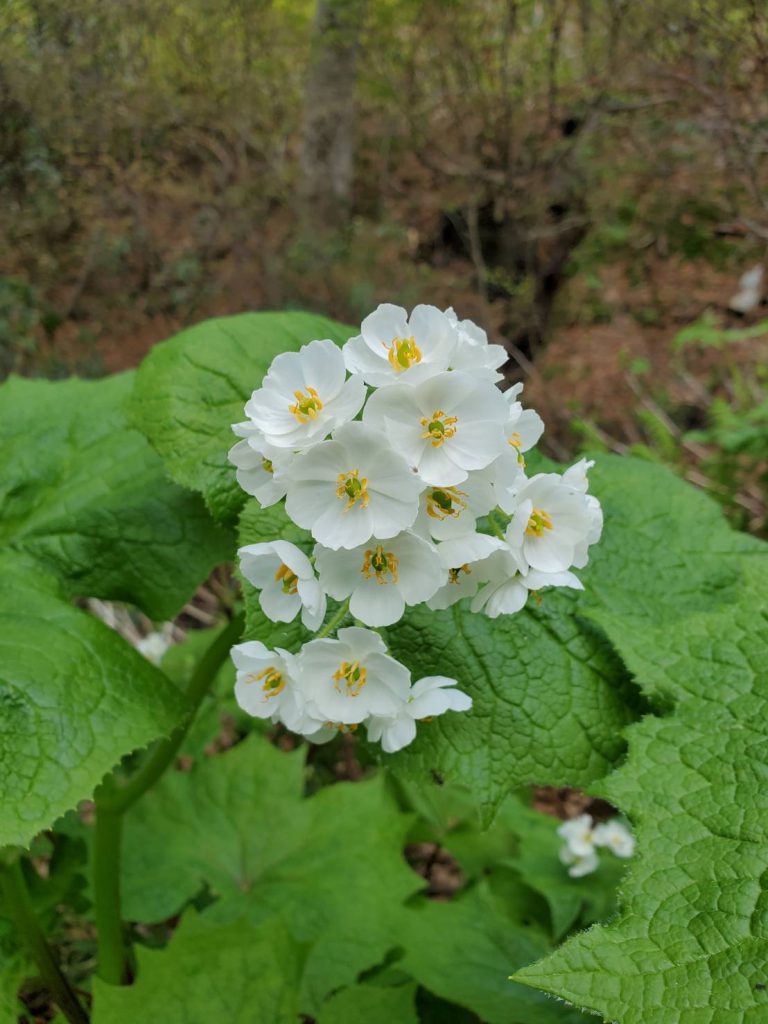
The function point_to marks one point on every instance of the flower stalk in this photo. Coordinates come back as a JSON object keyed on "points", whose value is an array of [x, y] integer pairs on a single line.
{"points": [[18, 905]]}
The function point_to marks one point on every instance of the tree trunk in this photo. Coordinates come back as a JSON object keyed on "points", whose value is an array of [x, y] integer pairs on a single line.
{"points": [[327, 149]]}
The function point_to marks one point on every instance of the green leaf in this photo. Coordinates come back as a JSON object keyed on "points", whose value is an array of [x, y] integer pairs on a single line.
{"points": [[234, 973], [331, 866], [372, 1004], [548, 699], [464, 951], [191, 388], [83, 492], [691, 945], [74, 697]]}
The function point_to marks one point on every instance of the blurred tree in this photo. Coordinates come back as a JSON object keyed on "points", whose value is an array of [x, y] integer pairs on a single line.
{"points": [[327, 145]]}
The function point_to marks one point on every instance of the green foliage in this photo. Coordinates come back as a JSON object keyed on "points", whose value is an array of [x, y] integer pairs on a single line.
{"points": [[191, 388], [236, 973], [373, 1004], [691, 943], [73, 698], [84, 493], [708, 333]]}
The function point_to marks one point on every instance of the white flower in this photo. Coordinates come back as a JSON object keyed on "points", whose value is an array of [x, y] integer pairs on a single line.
{"points": [[287, 582], [550, 523], [352, 488], [444, 427], [260, 466], [305, 396], [453, 511], [464, 558], [616, 837], [576, 477], [473, 353], [382, 577], [431, 696], [579, 865], [393, 347], [265, 683], [506, 590], [579, 834], [348, 679], [523, 428], [155, 645]]}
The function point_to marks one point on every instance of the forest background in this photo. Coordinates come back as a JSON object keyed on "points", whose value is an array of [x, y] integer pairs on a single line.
{"points": [[585, 178]]}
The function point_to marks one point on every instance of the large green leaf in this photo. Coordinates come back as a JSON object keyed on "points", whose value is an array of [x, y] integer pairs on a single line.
{"points": [[691, 946], [83, 491], [331, 866], [74, 697], [191, 388], [465, 950], [548, 699], [371, 1004], [233, 974]]}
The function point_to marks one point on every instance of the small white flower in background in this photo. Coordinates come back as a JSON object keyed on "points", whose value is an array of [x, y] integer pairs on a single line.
{"points": [[352, 488], [582, 837], [579, 834], [464, 559], [381, 577], [348, 679], [429, 697], [304, 396], [474, 355], [616, 837], [260, 467], [444, 427], [579, 849], [393, 347], [154, 645], [265, 680], [579, 866], [287, 582]]}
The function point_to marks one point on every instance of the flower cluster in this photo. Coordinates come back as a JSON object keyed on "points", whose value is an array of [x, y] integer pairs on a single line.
{"points": [[405, 461], [583, 838]]}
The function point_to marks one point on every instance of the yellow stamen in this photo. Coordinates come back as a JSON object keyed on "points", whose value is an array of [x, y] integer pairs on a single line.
{"points": [[455, 574], [516, 441], [353, 489], [440, 426], [289, 580], [273, 683], [307, 406], [538, 523], [402, 353], [379, 564], [353, 674], [267, 464], [445, 502]]}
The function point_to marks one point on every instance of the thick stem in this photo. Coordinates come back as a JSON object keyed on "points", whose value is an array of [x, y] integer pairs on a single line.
{"points": [[18, 905], [121, 798], [107, 840], [113, 800], [334, 621]]}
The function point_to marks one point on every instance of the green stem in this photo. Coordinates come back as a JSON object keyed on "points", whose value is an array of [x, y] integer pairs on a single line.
{"points": [[114, 799], [19, 906], [166, 750], [494, 525], [107, 840], [336, 619]]}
